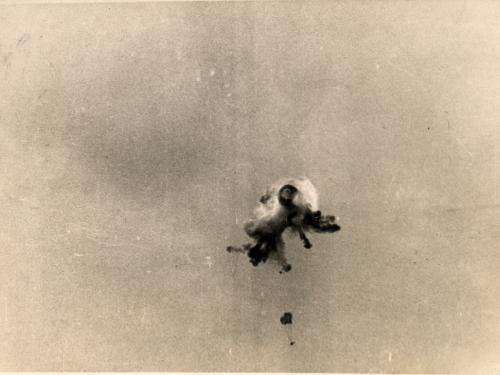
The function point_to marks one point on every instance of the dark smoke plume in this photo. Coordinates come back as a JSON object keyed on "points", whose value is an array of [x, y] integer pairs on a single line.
{"points": [[289, 203]]}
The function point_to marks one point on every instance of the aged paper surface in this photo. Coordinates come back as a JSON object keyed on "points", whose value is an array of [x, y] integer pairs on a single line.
{"points": [[136, 138]]}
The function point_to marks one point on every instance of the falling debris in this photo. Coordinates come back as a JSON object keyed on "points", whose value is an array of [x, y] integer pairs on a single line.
{"points": [[286, 319], [289, 203]]}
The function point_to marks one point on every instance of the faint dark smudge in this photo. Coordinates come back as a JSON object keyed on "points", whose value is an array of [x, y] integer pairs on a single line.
{"points": [[42, 94], [22, 40], [6, 59], [182, 265], [473, 208]]}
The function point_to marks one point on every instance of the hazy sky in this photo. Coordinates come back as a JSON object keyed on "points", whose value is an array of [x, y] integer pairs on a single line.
{"points": [[135, 140]]}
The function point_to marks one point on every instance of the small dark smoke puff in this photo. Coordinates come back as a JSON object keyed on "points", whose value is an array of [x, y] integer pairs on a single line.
{"points": [[317, 222], [286, 318], [261, 250]]}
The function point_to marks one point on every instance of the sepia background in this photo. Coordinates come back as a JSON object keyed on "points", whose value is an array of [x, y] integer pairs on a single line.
{"points": [[135, 140]]}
